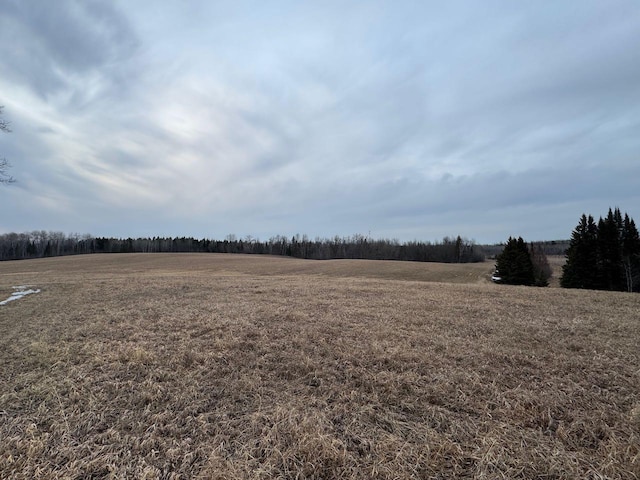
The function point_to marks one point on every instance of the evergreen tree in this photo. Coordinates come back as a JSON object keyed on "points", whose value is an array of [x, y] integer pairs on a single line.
{"points": [[581, 267], [514, 264], [610, 252]]}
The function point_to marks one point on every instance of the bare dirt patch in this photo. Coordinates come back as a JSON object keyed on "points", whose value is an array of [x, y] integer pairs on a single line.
{"points": [[214, 366]]}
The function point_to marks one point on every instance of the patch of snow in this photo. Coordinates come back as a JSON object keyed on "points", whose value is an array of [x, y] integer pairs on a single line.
{"points": [[20, 291]]}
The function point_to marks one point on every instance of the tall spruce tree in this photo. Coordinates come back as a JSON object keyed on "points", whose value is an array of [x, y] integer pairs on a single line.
{"points": [[514, 264], [581, 267], [610, 252]]}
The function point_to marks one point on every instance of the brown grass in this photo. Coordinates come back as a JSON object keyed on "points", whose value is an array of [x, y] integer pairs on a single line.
{"points": [[214, 366]]}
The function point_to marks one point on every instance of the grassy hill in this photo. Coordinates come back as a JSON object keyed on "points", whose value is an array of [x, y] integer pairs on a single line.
{"points": [[230, 366]]}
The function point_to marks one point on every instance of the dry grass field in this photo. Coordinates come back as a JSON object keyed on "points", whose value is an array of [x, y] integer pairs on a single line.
{"points": [[245, 367]]}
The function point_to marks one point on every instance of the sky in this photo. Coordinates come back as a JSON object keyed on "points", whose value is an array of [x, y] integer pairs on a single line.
{"points": [[407, 120]]}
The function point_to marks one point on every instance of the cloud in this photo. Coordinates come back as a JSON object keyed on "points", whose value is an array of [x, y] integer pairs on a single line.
{"points": [[61, 48], [319, 118]]}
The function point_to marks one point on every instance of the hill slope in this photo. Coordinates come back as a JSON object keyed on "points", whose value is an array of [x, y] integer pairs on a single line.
{"points": [[237, 264], [181, 366]]}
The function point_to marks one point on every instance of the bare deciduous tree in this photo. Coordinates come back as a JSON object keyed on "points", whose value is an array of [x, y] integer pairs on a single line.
{"points": [[4, 164]]}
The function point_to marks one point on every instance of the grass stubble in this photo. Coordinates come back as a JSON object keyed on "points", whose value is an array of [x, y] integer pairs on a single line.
{"points": [[212, 366]]}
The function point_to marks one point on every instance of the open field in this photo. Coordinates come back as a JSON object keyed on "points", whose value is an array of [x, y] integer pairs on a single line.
{"points": [[238, 367]]}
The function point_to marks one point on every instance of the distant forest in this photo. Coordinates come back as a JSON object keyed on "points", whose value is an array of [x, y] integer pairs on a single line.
{"points": [[38, 244]]}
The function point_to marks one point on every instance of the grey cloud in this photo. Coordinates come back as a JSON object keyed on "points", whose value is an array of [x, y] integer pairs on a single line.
{"points": [[49, 45], [412, 199]]}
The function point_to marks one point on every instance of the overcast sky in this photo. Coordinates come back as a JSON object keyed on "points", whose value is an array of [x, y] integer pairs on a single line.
{"points": [[399, 119]]}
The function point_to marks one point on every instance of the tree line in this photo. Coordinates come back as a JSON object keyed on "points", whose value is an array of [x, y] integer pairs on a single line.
{"points": [[38, 244], [548, 247]]}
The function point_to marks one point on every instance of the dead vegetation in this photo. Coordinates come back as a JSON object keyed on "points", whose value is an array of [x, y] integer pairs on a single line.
{"points": [[213, 366]]}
